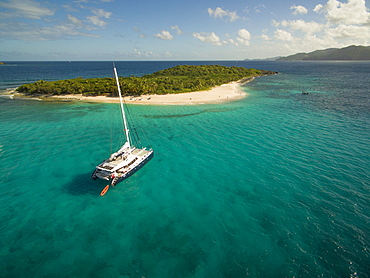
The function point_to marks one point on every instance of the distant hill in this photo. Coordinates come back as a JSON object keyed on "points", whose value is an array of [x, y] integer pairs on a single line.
{"points": [[352, 52], [266, 59]]}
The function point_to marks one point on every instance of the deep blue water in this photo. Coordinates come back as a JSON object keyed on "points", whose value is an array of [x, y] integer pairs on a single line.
{"points": [[274, 185]]}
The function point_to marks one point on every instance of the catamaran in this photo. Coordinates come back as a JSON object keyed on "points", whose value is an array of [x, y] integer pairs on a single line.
{"points": [[127, 160]]}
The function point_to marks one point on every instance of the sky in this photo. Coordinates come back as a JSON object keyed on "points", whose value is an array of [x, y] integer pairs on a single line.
{"points": [[127, 30]]}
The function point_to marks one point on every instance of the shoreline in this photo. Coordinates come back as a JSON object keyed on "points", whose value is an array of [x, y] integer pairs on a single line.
{"points": [[220, 94]]}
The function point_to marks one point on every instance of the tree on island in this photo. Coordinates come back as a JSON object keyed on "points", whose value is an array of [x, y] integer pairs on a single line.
{"points": [[178, 79]]}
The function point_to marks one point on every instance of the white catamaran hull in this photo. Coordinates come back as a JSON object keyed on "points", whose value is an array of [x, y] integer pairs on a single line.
{"points": [[116, 177], [127, 160]]}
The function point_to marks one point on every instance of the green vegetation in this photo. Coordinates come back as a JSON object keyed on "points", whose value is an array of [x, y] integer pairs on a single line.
{"points": [[174, 80], [352, 52]]}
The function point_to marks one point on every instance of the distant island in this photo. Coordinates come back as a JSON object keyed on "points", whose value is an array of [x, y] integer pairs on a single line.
{"points": [[175, 80], [352, 52], [1, 63], [266, 59]]}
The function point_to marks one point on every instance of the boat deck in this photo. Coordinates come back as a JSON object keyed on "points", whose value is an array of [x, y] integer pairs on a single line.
{"points": [[111, 164], [140, 152]]}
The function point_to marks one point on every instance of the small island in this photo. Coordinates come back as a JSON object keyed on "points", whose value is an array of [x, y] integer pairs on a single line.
{"points": [[2, 63], [183, 84]]}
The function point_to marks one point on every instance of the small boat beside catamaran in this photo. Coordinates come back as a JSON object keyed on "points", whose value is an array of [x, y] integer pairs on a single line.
{"points": [[127, 160]]}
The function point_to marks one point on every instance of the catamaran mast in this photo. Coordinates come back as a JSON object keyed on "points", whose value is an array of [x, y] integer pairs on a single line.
{"points": [[122, 110]]}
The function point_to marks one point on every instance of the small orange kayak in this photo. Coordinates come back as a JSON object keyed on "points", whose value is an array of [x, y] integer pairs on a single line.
{"points": [[104, 190]]}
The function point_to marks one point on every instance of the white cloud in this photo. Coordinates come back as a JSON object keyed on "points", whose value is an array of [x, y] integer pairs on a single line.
{"points": [[343, 24], [265, 37], [69, 8], [246, 10], [164, 35], [143, 53], [243, 37], [318, 8], [74, 20], [306, 27], [243, 41], [342, 32], [177, 29], [283, 35], [137, 30], [24, 31], [231, 41], [150, 54], [299, 9], [220, 13], [102, 13], [208, 37], [24, 8], [244, 34], [275, 23], [352, 12], [258, 8], [95, 20]]}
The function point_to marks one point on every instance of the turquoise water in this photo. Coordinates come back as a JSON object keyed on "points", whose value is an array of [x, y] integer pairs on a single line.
{"points": [[274, 185]]}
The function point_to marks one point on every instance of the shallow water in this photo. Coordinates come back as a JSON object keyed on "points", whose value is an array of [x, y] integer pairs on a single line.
{"points": [[275, 185]]}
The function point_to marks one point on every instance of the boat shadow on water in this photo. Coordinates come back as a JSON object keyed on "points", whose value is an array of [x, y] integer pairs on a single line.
{"points": [[84, 185], [211, 110]]}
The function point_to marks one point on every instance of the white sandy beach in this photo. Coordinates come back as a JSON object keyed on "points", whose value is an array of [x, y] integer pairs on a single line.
{"points": [[224, 93]]}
